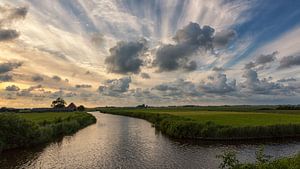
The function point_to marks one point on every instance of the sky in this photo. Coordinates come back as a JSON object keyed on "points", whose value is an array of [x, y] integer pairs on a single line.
{"points": [[157, 52]]}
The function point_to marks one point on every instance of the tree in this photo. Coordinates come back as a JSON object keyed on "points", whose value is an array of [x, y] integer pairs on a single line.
{"points": [[81, 108], [58, 103]]}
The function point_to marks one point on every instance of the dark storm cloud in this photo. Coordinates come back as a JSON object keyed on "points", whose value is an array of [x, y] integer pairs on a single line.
{"points": [[289, 61], [218, 84], [145, 76], [188, 40], [37, 78], [287, 80], [9, 66], [262, 60], [125, 57], [78, 86], [115, 87], [12, 88]]}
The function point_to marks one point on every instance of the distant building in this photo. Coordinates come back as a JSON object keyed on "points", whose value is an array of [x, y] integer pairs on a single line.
{"points": [[72, 107]]}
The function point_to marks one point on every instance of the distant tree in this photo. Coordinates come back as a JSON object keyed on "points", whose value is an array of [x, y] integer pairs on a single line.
{"points": [[59, 103], [81, 108]]}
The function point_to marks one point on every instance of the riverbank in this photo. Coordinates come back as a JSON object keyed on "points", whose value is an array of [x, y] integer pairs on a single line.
{"points": [[217, 125], [29, 129], [264, 163]]}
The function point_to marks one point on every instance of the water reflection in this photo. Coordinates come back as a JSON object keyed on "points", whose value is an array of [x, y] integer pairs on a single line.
{"points": [[123, 142]]}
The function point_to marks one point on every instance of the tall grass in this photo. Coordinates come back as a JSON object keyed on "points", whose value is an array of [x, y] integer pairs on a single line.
{"points": [[181, 127], [16, 131]]}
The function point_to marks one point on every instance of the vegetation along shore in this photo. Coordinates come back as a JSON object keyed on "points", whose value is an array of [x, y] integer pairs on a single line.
{"points": [[218, 123]]}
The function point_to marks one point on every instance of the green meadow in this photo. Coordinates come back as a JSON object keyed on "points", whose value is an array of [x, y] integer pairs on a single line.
{"points": [[218, 122]]}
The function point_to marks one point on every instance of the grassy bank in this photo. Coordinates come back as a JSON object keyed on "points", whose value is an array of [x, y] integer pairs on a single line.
{"points": [[198, 123], [28, 129], [284, 163], [229, 161]]}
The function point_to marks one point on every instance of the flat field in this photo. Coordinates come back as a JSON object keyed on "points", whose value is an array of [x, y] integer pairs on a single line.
{"points": [[236, 117]]}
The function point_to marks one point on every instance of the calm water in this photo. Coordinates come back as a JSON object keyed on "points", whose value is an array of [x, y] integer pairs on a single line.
{"points": [[123, 142]]}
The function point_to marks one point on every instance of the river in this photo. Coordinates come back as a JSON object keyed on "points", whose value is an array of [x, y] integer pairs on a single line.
{"points": [[124, 142]]}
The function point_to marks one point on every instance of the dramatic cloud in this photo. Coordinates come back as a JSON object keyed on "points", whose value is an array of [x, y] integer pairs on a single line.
{"points": [[262, 60], [78, 86], [188, 40], [218, 84], [125, 57], [12, 88], [115, 87], [9, 66], [289, 61], [145, 76]]}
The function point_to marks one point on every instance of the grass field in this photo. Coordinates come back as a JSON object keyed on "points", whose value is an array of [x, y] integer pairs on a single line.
{"points": [[50, 117], [232, 118], [218, 122]]}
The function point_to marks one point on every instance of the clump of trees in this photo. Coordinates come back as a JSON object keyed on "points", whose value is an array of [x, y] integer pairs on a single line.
{"points": [[288, 107], [59, 103]]}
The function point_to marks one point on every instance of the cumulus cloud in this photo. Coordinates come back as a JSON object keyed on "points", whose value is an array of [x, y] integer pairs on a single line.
{"points": [[125, 57], [262, 60], [178, 89], [12, 88], [218, 84], [9, 66], [289, 61], [145, 76], [115, 87], [78, 86], [254, 85], [188, 40]]}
